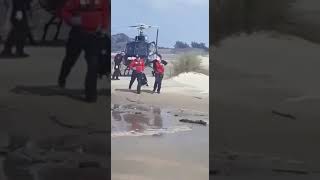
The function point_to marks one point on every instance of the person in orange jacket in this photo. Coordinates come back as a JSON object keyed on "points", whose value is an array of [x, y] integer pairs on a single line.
{"points": [[138, 66], [90, 22]]}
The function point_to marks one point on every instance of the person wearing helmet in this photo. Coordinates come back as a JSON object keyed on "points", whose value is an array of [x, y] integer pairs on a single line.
{"points": [[158, 68], [90, 22], [117, 66]]}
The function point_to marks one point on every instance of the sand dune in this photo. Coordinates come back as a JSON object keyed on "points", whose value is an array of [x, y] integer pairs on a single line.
{"points": [[197, 80]]}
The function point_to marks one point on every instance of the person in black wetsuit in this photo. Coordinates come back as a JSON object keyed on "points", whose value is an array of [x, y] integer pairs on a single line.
{"points": [[117, 65], [19, 28]]}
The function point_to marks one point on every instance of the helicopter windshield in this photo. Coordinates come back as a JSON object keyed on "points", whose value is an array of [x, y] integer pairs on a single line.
{"points": [[137, 48], [140, 38]]}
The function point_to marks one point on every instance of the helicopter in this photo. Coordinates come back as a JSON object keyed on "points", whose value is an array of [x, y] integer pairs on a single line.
{"points": [[141, 47]]}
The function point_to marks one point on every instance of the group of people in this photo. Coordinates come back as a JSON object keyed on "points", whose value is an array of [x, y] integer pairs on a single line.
{"points": [[137, 65], [90, 32]]}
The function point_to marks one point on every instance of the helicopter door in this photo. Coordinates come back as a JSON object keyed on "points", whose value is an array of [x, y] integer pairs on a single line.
{"points": [[152, 48]]}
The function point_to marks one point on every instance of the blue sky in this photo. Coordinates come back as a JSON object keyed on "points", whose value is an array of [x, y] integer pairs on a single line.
{"points": [[185, 20]]}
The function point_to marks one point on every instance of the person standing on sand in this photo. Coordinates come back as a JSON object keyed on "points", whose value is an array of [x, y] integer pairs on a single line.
{"points": [[133, 60], [19, 29], [138, 66], [158, 68], [90, 23], [117, 66]]}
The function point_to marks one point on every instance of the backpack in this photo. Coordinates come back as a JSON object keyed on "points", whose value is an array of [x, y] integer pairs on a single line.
{"points": [[144, 79]]}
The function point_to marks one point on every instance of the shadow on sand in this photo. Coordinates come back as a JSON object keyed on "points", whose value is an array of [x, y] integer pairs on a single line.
{"points": [[76, 94], [134, 91]]}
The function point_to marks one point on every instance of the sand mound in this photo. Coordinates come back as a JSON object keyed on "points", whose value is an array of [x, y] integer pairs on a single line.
{"points": [[193, 79]]}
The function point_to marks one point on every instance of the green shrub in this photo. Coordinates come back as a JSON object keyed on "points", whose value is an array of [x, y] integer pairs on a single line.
{"points": [[187, 63]]}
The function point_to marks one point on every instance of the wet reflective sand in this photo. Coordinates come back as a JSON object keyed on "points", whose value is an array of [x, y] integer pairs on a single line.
{"points": [[145, 120], [149, 142]]}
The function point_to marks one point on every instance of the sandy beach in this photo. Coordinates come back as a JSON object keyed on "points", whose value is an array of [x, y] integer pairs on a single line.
{"points": [[148, 141]]}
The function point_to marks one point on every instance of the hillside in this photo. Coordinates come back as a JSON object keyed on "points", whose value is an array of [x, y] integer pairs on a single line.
{"points": [[118, 41]]}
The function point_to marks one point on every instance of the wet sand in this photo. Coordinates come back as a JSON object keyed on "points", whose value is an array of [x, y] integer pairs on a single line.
{"points": [[149, 142], [46, 130]]}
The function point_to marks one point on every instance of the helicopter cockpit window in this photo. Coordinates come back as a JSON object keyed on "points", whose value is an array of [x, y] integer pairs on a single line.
{"points": [[130, 49], [137, 48], [142, 49], [140, 38]]}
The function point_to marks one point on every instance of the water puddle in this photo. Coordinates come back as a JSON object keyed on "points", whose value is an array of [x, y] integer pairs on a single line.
{"points": [[143, 120]]}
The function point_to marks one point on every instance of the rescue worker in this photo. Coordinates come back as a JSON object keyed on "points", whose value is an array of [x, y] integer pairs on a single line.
{"points": [[89, 20], [138, 66], [117, 66], [132, 61], [158, 68], [19, 28]]}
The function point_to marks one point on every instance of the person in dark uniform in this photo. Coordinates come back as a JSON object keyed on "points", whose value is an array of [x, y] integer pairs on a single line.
{"points": [[90, 22], [117, 66], [19, 30]]}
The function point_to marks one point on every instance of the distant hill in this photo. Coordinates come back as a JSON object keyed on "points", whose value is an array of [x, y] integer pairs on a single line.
{"points": [[118, 41]]}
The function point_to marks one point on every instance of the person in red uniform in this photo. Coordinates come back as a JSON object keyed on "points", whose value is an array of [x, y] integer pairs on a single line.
{"points": [[137, 65], [89, 20], [158, 68], [133, 74]]}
